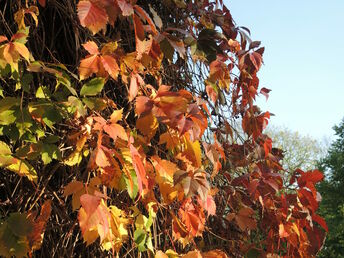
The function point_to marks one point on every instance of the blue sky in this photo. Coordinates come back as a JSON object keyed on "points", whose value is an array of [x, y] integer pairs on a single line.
{"points": [[304, 55]]}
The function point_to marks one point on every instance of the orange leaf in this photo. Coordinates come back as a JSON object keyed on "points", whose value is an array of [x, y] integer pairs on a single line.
{"points": [[98, 158], [88, 66], [215, 254], [210, 205], [91, 47], [22, 50], [160, 254], [126, 8], [135, 81], [138, 26], [116, 130], [93, 218], [164, 169], [139, 167], [92, 16], [147, 125], [3, 39], [77, 189], [110, 66], [282, 231], [192, 254], [143, 105], [192, 217]]}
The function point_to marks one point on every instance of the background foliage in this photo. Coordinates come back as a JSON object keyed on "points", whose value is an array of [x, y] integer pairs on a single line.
{"points": [[118, 125], [331, 189]]}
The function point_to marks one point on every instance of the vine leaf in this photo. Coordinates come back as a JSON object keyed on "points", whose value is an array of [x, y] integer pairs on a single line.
{"points": [[92, 16]]}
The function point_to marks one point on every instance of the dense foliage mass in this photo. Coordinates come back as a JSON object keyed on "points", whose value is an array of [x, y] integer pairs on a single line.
{"points": [[118, 119], [332, 191]]}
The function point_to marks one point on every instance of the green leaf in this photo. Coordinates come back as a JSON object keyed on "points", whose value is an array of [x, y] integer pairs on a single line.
{"points": [[93, 87], [7, 117], [253, 253], [10, 244], [167, 49], [77, 104], [52, 116], [125, 184], [19, 224], [24, 82], [51, 139], [42, 92], [140, 239], [11, 131], [45, 111], [50, 152], [97, 104], [65, 80], [8, 102]]}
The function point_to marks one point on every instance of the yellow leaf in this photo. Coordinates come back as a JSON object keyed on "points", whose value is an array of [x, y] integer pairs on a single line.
{"points": [[193, 152], [171, 139], [147, 125], [23, 168], [116, 115], [164, 170], [22, 50], [73, 159]]}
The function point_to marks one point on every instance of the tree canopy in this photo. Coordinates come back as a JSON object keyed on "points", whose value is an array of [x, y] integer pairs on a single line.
{"points": [[118, 136], [299, 151], [332, 192]]}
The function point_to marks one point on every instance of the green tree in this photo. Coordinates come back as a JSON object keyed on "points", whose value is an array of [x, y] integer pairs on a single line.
{"points": [[299, 151], [332, 191]]}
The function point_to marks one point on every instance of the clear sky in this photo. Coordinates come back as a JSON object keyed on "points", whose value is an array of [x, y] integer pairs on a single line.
{"points": [[304, 60]]}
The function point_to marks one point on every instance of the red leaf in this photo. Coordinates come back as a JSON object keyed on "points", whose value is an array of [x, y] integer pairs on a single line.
{"points": [[138, 26], [148, 19], [256, 60], [89, 202], [92, 16], [39, 224], [42, 2], [265, 92], [245, 220], [313, 176], [320, 221]]}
